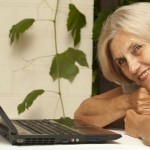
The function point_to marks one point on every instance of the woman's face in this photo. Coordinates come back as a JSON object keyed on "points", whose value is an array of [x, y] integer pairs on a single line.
{"points": [[132, 55]]}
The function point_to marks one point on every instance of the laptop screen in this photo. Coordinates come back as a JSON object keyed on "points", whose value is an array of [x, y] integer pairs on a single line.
{"points": [[6, 121]]}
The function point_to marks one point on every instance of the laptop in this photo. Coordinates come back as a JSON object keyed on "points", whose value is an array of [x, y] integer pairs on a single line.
{"points": [[52, 131]]}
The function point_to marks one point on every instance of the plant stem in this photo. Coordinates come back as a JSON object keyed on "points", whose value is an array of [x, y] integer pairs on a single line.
{"points": [[57, 60]]}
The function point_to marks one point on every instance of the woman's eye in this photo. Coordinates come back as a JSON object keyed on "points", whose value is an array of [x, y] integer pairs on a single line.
{"points": [[136, 48], [121, 61]]}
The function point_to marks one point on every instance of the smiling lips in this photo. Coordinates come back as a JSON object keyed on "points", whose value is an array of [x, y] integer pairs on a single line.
{"points": [[143, 75]]}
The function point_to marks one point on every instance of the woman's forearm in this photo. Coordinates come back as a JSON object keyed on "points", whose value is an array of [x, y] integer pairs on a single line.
{"points": [[102, 111], [144, 131], [138, 126]]}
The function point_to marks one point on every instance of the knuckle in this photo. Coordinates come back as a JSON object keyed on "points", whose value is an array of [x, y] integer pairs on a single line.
{"points": [[139, 110]]}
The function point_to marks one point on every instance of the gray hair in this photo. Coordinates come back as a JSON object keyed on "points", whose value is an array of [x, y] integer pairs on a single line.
{"points": [[133, 19]]}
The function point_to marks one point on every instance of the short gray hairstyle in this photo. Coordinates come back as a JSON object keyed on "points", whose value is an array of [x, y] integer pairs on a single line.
{"points": [[133, 19]]}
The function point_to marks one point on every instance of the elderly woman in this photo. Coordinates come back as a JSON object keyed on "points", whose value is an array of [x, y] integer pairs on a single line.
{"points": [[124, 55]]}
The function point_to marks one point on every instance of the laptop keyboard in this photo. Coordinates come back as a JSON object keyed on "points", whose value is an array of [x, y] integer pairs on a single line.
{"points": [[45, 127]]}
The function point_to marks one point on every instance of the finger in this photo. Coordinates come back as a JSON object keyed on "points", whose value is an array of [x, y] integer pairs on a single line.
{"points": [[130, 112], [145, 111], [146, 99], [128, 115]]}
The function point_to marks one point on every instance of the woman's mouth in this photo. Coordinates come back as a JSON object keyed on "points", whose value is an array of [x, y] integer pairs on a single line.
{"points": [[144, 74]]}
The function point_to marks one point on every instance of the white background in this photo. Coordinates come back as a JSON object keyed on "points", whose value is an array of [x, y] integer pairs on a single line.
{"points": [[17, 78]]}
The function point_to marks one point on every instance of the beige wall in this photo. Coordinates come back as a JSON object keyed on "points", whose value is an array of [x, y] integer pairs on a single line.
{"points": [[16, 81]]}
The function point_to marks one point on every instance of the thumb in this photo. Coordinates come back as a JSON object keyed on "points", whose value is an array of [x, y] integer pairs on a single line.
{"points": [[131, 112]]}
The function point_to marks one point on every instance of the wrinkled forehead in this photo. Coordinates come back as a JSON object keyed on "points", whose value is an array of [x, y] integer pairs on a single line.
{"points": [[119, 43], [122, 43]]}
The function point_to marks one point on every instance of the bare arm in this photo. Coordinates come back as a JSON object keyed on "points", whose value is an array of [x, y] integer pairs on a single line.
{"points": [[103, 109], [138, 126]]}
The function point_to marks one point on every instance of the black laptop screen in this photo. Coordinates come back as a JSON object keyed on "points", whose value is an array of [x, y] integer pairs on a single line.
{"points": [[6, 121]]}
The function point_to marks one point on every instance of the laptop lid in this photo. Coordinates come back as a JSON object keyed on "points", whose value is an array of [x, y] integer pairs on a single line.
{"points": [[7, 122], [89, 129]]}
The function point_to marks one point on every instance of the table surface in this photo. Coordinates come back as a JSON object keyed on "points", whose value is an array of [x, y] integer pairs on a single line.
{"points": [[124, 143]]}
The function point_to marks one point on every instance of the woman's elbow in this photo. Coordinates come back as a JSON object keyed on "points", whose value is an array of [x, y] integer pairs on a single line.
{"points": [[81, 112], [77, 115]]}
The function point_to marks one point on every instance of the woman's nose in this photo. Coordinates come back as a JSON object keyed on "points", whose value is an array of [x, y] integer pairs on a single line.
{"points": [[134, 65]]}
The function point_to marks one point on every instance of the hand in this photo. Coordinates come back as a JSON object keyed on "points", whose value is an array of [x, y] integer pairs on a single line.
{"points": [[139, 101], [134, 123]]}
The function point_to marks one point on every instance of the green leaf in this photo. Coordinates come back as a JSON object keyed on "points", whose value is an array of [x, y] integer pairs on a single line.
{"points": [[64, 64], [75, 22], [66, 121], [29, 99], [19, 28], [99, 23]]}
